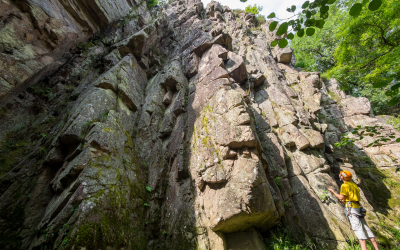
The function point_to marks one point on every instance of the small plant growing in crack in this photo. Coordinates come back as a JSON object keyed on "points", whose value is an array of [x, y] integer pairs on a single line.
{"points": [[277, 181], [324, 196]]}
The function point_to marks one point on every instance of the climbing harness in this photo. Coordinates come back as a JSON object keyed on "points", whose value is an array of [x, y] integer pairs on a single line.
{"points": [[363, 211]]}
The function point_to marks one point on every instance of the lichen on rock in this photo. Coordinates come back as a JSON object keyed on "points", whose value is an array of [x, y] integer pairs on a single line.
{"points": [[178, 127]]}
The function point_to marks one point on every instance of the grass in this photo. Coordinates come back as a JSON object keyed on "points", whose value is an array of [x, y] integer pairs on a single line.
{"points": [[355, 245], [281, 238]]}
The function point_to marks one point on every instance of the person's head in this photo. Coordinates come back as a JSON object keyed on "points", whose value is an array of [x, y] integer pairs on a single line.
{"points": [[345, 175]]}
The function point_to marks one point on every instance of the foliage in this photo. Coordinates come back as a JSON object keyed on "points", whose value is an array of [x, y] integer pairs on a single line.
{"points": [[277, 181], [395, 122], [148, 189], [323, 196], [314, 14], [361, 53], [368, 52], [151, 3], [359, 132], [355, 245], [253, 9], [281, 238]]}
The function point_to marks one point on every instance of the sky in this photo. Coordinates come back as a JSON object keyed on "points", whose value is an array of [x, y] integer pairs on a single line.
{"points": [[277, 6]]}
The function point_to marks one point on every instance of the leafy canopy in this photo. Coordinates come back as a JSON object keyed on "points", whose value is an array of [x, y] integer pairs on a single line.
{"points": [[313, 15], [361, 53]]}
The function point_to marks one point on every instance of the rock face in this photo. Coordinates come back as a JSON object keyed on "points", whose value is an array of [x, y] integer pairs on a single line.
{"points": [[175, 130], [35, 36]]}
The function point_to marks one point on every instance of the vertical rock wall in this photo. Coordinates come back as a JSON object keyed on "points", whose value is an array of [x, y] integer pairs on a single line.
{"points": [[183, 129]]}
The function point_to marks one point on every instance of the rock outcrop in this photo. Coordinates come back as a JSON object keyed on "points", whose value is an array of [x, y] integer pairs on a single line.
{"points": [[179, 128]]}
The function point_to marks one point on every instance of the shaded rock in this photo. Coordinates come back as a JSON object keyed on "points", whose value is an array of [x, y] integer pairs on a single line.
{"points": [[246, 240], [133, 44], [191, 65]]}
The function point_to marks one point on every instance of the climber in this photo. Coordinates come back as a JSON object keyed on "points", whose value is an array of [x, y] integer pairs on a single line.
{"points": [[350, 195]]}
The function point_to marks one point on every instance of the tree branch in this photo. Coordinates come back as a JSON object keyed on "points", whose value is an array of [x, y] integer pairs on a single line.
{"points": [[377, 58], [385, 41]]}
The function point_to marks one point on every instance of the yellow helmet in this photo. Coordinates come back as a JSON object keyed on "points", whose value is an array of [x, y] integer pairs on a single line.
{"points": [[346, 175]]}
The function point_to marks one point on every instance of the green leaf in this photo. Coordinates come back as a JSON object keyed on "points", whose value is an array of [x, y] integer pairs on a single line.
{"points": [[293, 8], [355, 10], [396, 86], [308, 14], [273, 25], [274, 43], [394, 101], [320, 23], [364, 2], [283, 43], [392, 92], [374, 5], [282, 29], [305, 4], [272, 15], [331, 1], [148, 188], [324, 9], [398, 140], [310, 31], [290, 36], [379, 84], [300, 33]]}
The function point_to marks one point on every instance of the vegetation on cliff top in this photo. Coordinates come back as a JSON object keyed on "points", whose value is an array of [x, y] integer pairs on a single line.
{"points": [[360, 52]]}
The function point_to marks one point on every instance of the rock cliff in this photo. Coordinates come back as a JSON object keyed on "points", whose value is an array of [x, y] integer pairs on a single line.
{"points": [[173, 128]]}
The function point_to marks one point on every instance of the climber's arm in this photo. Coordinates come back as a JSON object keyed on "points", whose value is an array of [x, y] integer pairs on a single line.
{"points": [[339, 196]]}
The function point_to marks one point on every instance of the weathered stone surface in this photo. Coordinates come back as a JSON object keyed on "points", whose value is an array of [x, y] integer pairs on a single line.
{"points": [[210, 131], [284, 55], [236, 67], [38, 33], [314, 137], [133, 44], [191, 65], [163, 139], [355, 106], [246, 240]]}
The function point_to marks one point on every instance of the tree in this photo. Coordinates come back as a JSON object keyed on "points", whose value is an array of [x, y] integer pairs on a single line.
{"points": [[253, 9], [373, 27], [362, 53]]}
